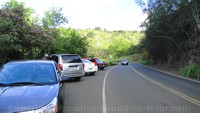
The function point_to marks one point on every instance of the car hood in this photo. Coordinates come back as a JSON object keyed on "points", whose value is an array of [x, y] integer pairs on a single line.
{"points": [[26, 98]]}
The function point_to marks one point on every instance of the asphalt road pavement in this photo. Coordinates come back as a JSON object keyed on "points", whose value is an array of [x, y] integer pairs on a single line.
{"points": [[131, 89]]}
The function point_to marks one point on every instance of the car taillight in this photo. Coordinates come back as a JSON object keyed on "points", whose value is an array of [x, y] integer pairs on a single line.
{"points": [[83, 65], [60, 66], [95, 63]]}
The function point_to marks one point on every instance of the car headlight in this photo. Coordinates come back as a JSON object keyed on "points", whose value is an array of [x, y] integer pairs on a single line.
{"points": [[52, 107]]}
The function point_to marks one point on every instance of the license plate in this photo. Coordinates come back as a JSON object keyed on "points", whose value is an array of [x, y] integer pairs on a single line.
{"points": [[73, 68]]}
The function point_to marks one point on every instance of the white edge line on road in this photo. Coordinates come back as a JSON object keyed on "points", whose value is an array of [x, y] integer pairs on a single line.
{"points": [[190, 99], [103, 91]]}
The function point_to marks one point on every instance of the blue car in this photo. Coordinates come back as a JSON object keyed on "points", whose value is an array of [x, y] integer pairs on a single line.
{"points": [[31, 87]]}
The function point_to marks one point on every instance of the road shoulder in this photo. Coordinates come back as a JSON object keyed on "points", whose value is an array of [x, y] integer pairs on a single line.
{"points": [[169, 73]]}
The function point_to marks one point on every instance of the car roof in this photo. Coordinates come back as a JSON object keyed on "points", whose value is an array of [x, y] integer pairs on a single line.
{"points": [[31, 61], [85, 60]]}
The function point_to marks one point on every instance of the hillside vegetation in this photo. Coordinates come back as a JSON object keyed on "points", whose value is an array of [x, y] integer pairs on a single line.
{"points": [[172, 33], [111, 44]]}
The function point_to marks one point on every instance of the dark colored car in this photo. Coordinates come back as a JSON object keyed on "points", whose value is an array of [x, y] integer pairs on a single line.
{"points": [[97, 62], [32, 86], [105, 64], [124, 62]]}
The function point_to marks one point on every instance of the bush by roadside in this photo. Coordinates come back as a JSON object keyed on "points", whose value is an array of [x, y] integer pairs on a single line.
{"points": [[191, 71], [131, 58], [111, 63]]}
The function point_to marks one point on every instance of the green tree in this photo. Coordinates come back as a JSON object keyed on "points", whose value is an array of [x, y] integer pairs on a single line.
{"points": [[69, 41], [172, 31], [54, 18], [20, 39]]}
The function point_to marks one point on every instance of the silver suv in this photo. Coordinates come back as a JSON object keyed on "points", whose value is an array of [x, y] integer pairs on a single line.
{"points": [[70, 64]]}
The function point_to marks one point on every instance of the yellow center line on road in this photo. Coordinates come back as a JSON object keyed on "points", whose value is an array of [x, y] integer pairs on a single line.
{"points": [[190, 99]]}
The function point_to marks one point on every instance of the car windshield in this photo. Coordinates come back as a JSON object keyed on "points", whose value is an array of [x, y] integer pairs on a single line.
{"points": [[27, 73]]}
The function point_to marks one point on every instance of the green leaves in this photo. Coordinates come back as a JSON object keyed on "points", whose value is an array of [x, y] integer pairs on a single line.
{"points": [[19, 38], [53, 18], [69, 41], [192, 71], [104, 44], [170, 29]]}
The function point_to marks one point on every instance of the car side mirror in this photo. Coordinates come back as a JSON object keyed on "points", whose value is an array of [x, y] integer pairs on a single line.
{"points": [[64, 79]]}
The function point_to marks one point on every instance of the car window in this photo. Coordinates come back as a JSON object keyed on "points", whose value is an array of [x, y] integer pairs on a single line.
{"points": [[28, 72], [86, 61], [56, 59], [92, 60], [58, 72], [71, 59], [99, 61]]}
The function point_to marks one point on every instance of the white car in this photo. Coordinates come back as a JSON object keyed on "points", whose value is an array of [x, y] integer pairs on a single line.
{"points": [[89, 67]]}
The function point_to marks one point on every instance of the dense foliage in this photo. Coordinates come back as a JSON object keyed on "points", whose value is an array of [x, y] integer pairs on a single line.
{"points": [[19, 37], [172, 31], [192, 71], [22, 36], [69, 41], [111, 44]]}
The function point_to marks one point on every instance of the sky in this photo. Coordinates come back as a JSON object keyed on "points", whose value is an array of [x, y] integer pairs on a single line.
{"points": [[84, 14]]}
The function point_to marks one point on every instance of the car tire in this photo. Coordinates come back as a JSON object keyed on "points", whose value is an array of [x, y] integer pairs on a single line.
{"points": [[60, 104], [77, 78], [102, 68]]}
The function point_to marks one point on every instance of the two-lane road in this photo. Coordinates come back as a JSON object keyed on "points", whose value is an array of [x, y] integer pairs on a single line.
{"points": [[131, 89]]}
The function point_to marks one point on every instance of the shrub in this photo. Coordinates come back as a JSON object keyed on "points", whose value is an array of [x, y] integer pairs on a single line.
{"points": [[192, 71], [144, 62]]}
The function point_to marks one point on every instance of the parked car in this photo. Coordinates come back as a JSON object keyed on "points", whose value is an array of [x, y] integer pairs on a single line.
{"points": [[105, 64], [32, 86], [97, 62], [70, 64], [89, 67], [124, 62]]}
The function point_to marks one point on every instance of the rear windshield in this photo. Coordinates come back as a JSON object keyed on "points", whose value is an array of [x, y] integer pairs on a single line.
{"points": [[71, 59], [99, 61], [92, 60], [85, 61]]}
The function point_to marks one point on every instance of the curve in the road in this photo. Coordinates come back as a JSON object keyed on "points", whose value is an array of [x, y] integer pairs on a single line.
{"points": [[190, 99]]}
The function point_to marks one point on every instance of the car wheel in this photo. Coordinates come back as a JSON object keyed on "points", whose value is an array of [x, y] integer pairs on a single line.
{"points": [[77, 78], [60, 104], [102, 68]]}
